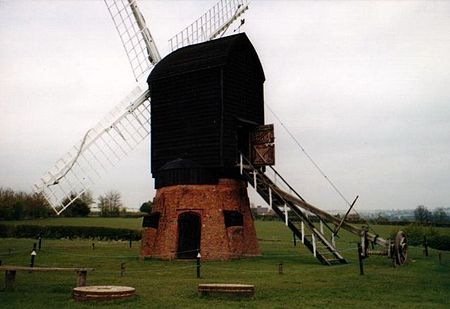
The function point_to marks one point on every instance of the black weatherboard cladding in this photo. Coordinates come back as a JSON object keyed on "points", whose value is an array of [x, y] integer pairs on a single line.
{"points": [[199, 95]]}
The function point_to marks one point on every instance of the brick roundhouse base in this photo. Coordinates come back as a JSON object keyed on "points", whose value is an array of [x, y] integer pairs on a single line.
{"points": [[211, 203]]}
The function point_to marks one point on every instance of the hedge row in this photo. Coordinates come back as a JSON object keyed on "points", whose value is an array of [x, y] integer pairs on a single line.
{"points": [[436, 240], [70, 232]]}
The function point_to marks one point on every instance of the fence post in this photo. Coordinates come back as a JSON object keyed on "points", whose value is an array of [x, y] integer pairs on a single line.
{"points": [[280, 268], [425, 244], [122, 268], [198, 263], [33, 255], [360, 259]]}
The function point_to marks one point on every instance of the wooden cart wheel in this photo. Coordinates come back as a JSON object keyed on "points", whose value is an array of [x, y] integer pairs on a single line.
{"points": [[400, 248]]}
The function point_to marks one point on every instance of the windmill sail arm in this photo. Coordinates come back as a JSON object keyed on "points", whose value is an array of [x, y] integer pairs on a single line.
{"points": [[136, 39], [101, 148], [211, 24], [241, 9], [152, 50]]}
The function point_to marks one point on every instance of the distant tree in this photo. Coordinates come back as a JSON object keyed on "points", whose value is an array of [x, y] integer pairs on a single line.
{"points": [[146, 207], [87, 198], [110, 204], [80, 207], [17, 205], [440, 216], [422, 214], [381, 218]]}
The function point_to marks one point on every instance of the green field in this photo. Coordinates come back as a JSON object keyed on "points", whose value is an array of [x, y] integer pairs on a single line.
{"points": [[422, 283]]}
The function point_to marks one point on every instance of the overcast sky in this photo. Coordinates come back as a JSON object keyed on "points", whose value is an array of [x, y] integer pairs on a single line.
{"points": [[364, 86]]}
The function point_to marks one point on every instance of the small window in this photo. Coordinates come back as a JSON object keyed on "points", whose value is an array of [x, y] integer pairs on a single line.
{"points": [[233, 218], [151, 220]]}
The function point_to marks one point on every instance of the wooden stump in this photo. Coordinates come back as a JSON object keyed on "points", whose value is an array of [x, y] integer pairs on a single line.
{"points": [[81, 278], [10, 278]]}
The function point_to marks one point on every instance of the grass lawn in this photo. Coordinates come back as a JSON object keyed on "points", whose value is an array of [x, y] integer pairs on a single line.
{"points": [[422, 283]]}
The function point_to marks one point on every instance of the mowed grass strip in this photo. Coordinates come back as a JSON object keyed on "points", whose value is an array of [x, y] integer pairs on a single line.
{"points": [[422, 283]]}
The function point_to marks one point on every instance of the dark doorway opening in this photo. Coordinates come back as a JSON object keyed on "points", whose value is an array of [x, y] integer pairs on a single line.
{"points": [[243, 136], [188, 235], [243, 140]]}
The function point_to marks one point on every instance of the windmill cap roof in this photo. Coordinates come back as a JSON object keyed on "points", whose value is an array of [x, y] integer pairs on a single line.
{"points": [[214, 53]]}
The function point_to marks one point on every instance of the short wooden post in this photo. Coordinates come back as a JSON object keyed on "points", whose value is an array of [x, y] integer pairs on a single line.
{"points": [[93, 246], [360, 259], [33, 255], [10, 278], [425, 245], [81, 277], [39, 242], [295, 240], [280, 268], [122, 269], [199, 256]]}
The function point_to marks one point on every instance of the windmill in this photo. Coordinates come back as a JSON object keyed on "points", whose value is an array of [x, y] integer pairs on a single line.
{"points": [[128, 123], [201, 178]]}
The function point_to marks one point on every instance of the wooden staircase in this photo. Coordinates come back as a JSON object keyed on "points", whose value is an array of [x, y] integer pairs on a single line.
{"points": [[284, 204]]}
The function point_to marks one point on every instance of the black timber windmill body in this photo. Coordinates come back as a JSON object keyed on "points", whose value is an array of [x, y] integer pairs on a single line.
{"points": [[206, 100]]}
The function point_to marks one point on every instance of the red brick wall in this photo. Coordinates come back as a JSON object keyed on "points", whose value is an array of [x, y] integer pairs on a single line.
{"points": [[208, 201]]}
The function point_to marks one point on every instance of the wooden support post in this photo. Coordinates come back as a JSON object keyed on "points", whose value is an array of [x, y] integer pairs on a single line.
{"points": [[314, 245], [286, 218], [280, 268], [93, 246], [81, 277], [270, 197], [295, 239], [33, 255], [241, 163], [122, 269], [198, 263], [425, 245], [333, 242], [360, 259], [39, 242], [303, 232], [321, 226], [10, 278]]}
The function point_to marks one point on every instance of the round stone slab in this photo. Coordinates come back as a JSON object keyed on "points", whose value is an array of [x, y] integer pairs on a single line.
{"points": [[102, 292]]}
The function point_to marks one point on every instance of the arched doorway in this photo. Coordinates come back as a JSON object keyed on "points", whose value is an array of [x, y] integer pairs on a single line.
{"points": [[188, 235]]}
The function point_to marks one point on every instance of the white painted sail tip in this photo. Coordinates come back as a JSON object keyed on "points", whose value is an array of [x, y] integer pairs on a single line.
{"points": [[210, 25]]}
